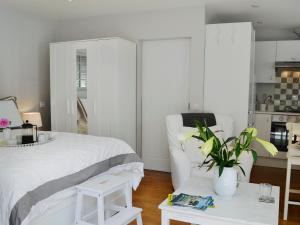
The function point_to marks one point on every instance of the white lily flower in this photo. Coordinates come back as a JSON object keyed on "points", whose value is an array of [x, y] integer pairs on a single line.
{"points": [[252, 130], [185, 137], [208, 146], [268, 146]]}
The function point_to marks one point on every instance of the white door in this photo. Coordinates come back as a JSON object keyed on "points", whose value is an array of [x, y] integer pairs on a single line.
{"points": [[165, 90], [63, 89], [103, 64]]}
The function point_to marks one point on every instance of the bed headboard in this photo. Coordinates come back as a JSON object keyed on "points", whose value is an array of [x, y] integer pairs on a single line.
{"points": [[9, 110]]}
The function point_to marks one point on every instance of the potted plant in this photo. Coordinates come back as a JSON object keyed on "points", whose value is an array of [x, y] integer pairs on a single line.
{"points": [[223, 155]]}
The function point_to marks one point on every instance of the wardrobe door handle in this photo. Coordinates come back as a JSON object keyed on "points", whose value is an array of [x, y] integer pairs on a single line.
{"points": [[94, 108], [68, 107], [72, 109]]}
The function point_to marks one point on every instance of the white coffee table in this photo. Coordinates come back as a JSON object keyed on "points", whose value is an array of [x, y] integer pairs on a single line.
{"points": [[244, 208]]}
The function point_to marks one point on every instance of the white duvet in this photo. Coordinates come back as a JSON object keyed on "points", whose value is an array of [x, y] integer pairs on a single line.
{"points": [[25, 169]]}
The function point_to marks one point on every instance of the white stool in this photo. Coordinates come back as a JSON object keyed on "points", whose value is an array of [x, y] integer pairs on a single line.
{"points": [[99, 188], [293, 158]]}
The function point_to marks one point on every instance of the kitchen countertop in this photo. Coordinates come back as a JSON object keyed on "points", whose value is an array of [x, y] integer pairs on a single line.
{"points": [[278, 113]]}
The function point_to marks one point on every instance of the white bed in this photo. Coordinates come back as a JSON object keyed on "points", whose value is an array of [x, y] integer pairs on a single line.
{"points": [[26, 170], [37, 183]]}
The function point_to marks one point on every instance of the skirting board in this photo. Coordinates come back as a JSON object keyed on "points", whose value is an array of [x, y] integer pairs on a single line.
{"points": [[271, 162], [153, 163]]}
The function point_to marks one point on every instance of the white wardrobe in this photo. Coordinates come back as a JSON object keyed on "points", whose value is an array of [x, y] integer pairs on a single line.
{"points": [[93, 88], [229, 72]]}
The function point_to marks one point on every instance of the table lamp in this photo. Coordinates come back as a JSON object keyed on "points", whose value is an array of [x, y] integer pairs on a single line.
{"points": [[33, 118]]}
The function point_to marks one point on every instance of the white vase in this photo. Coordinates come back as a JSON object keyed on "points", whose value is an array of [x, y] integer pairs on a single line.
{"points": [[6, 134], [225, 185]]}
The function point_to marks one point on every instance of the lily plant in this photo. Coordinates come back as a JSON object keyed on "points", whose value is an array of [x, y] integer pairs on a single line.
{"points": [[226, 153]]}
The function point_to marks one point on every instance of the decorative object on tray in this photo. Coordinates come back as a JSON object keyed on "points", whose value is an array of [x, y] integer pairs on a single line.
{"points": [[223, 155], [4, 126], [192, 201], [33, 121], [29, 133]]}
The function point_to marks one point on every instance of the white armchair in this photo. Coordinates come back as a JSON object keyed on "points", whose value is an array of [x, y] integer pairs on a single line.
{"points": [[185, 160]]}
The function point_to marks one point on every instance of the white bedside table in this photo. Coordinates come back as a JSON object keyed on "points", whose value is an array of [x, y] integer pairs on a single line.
{"points": [[243, 209]]}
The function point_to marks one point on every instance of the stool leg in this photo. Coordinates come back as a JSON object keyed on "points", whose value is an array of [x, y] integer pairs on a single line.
{"points": [[78, 209], [128, 195], [287, 189], [164, 219], [139, 220], [100, 208]]}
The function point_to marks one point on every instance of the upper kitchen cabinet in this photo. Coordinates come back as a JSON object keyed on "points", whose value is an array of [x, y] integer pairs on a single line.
{"points": [[265, 57], [288, 51]]}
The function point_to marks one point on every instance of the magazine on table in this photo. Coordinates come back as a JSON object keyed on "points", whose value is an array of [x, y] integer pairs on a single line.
{"points": [[192, 201]]}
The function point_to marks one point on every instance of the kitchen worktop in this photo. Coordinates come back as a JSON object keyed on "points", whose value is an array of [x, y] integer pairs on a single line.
{"points": [[278, 113]]}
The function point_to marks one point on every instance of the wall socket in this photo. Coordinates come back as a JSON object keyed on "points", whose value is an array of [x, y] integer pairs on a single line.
{"points": [[42, 104]]}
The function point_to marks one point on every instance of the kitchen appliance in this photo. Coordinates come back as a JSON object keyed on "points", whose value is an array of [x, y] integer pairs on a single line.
{"points": [[279, 132], [287, 65]]}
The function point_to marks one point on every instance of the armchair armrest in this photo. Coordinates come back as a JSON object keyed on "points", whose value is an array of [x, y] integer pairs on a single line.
{"points": [[180, 167], [246, 161]]}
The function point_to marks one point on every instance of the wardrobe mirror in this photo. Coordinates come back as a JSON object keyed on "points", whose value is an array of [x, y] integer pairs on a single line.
{"points": [[81, 83]]}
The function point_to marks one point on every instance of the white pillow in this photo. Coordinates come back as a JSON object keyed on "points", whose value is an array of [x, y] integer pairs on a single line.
{"points": [[191, 146]]}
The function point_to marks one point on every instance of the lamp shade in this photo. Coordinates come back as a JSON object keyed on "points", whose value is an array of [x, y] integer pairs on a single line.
{"points": [[33, 118]]}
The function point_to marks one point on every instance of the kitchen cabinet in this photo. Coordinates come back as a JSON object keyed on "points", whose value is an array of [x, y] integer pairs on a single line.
{"points": [[263, 125], [288, 51], [265, 56]]}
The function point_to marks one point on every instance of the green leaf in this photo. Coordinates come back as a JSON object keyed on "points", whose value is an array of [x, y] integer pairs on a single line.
{"points": [[225, 155], [237, 149], [254, 155], [248, 140], [242, 170], [210, 166], [221, 168]]}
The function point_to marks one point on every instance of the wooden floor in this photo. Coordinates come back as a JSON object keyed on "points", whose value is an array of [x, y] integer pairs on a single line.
{"points": [[157, 185]]}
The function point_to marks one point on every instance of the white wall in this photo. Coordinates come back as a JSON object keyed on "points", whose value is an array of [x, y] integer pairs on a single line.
{"points": [[24, 60], [184, 22]]}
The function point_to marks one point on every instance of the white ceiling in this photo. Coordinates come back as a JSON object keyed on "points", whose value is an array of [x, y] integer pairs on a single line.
{"points": [[272, 13]]}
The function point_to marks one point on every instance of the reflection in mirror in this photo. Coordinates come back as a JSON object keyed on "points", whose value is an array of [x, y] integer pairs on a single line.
{"points": [[81, 83]]}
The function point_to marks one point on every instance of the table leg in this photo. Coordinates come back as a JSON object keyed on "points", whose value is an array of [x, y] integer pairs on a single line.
{"points": [[164, 219]]}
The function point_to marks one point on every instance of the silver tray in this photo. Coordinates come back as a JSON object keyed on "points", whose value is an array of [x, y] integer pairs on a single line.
{"points": [[28, 145]]}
